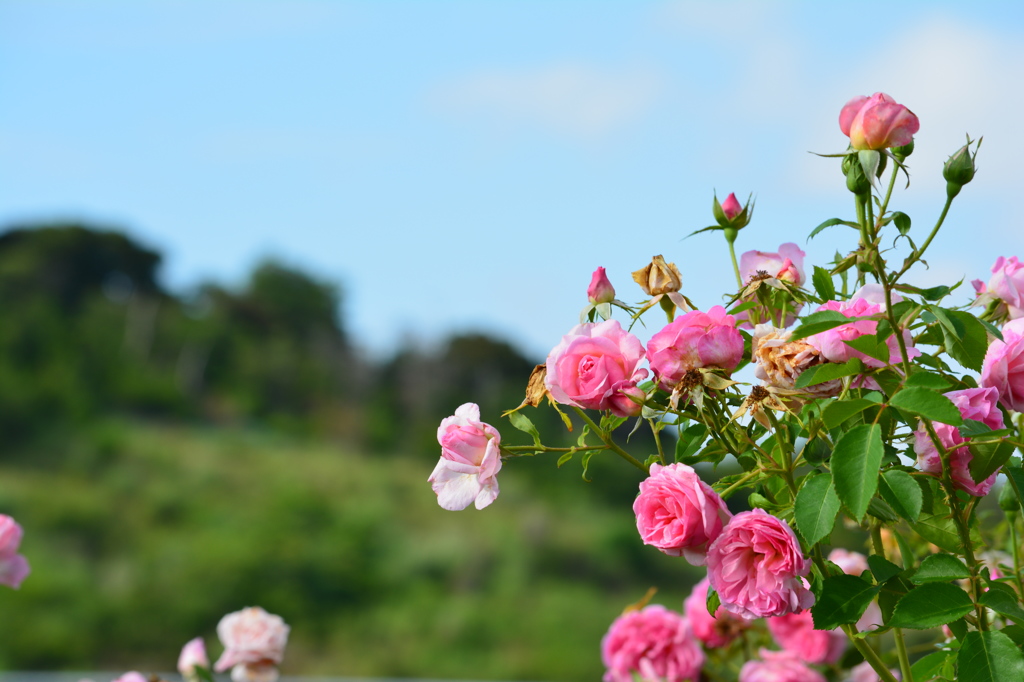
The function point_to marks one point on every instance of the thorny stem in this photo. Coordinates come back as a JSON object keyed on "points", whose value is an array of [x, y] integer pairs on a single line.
{"points": [[612, 445]]}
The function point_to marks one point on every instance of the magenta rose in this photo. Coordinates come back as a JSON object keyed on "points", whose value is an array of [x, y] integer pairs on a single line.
{"points": [[655, 643], [692, 341], [13, 566], [795, 633], [678, 513], [778, 666], [714, 631], [978, 404], [1003, 368], [467, 472], [757, 568], [877, 122], [731, 207], [597, 367], [864, 303]]}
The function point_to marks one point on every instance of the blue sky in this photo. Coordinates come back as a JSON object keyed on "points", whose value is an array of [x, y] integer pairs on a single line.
{"points": [[465, 166]]}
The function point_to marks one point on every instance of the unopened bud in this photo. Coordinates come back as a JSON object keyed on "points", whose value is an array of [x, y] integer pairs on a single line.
{"points": [[600, 289], [730, 214], [758, 501], [856, 179], [959, 169], [903, 152]]}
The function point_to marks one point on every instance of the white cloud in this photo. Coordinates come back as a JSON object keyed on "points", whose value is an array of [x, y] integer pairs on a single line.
{"points": [[569, 99]]}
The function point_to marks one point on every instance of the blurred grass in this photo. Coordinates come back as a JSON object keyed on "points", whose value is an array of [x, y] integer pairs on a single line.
{"points": [[146, 534]]}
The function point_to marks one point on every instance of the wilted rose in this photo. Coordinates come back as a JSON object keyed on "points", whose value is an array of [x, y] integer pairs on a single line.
{"points": [[877, 122], [467, 472], [779, 362], [678, 513]]}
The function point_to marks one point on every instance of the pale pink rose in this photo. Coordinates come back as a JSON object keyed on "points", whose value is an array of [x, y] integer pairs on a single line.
{"points": [[693, 341], [1007, 284], [251, 637], [832, 343], [678, 513], [251, 672], [863, 672], [594, 366], [877, 122], [1003, 368], [978, 404], [467, 472], [192, 654], [655, 643], [132, 676], [13, 566], [757, 568], [600, 289], [778, 666], [714, 631], [731, 207], [795, 632], [786, 264], [852, 563]]}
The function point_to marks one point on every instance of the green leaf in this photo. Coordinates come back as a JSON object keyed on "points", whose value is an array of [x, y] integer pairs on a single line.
{"points": [[828, 371], [855, 464], [928, 667], [927, 403], [1014, 632], [1003, 603], [989, 657], [565, 458], [902, 492], [815, 508], [822, 281], [986, 458], [930, 380], [1015, 475], [713, 602], [940, 568], [871, 346], [816, 323], [902, 221], [829, 223], [843, 600], [585, 460], [939, 529], [930, 606], [523, 423], [965, 338], [689, 443], [882, 568]]}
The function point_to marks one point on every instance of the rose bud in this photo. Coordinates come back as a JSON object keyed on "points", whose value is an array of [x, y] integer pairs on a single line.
{"points": [[959, 169], [600, 289]]}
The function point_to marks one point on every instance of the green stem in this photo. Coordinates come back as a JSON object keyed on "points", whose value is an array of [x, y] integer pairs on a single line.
{"points": [[735, 264], [916, 255], [740, 483], [612, 445], [865, 238], [888, 194], [1012, 520]]}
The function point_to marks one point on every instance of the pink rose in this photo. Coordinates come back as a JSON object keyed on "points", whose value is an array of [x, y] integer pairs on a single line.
{"points": [[778, 666], [863, 672], [192, 654], [852, 563], [692, 341], [654, 642], [254, 672], [1007, 285], [795, 633], [678, 513], [731, 207], [714, 631], [757, 568], [596, 367], [132, 676], [877, 122], [787, 264], [467, 472], [13, 566], [600, 289], [978, 404], [1003, 368], [251, 637], [832, 343]]}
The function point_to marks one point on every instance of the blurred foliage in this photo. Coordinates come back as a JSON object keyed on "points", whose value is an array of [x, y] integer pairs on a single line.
{"points": [[173, 458]]}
